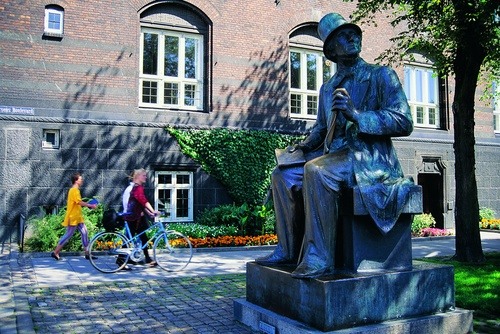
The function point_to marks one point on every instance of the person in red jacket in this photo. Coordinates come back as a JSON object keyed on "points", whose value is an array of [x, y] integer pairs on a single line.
{"points": [[138, 206]]}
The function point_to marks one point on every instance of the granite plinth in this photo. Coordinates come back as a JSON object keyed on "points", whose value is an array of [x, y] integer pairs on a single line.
{"points": [[458, 321], [349, 300]]}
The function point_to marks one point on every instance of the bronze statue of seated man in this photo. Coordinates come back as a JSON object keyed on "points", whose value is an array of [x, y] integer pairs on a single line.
{"points": [[360, 108]]}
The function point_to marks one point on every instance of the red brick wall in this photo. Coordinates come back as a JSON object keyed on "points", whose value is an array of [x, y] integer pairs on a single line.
{"points": [[95, 65]]}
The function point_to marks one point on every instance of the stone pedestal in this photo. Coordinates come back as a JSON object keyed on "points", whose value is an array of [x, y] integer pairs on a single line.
{"points": [[352, 300], [258, 318], [377, 287]]}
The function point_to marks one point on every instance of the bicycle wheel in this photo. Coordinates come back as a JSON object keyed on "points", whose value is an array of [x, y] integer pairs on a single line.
{"points": [[111, 250], [172, 251]]}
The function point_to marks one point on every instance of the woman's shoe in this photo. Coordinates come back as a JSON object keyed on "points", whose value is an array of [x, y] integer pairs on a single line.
{"points": [[120, 261], [53, 255], [151, 263]]}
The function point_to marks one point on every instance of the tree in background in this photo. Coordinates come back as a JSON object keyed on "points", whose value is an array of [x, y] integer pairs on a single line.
{"points": [[462, 37]]}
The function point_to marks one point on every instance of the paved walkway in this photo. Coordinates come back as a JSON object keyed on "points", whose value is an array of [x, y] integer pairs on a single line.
{"points": [[41, 295]]}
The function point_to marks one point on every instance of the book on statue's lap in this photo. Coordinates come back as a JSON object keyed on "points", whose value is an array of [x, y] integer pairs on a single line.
{"points": [[285, 158]]}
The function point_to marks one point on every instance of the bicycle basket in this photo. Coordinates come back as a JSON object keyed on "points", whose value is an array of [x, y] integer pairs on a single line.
{"points": [[111, 221]]}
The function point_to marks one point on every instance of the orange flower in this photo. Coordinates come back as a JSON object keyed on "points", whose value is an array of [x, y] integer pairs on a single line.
{"points": [[230, 241]]}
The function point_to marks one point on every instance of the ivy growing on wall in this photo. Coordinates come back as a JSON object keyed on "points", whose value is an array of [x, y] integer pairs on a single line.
{"points": [[242, 160]]}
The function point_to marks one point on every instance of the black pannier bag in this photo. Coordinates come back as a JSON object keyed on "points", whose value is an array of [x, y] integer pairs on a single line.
{"points": [[111, 220]]}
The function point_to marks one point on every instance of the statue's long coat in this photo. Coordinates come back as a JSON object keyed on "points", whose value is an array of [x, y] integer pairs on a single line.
{"points": [[384, 113]]}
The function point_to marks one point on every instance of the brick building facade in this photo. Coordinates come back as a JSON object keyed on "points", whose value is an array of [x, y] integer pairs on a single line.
{"points": [[89, 86]]}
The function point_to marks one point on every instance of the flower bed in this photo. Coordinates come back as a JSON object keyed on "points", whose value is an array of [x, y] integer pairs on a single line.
{"points": [[231, 241], [272, 239], [492, 224], [435, 232]]}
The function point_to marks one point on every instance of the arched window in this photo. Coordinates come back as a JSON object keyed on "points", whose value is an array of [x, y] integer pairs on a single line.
{"points": [[54, 20], [308, 70], [425, 93], [173, 58]]}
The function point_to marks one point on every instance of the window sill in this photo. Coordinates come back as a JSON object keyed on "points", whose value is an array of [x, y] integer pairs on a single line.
{"points": [[52, 35], [170, 109], [298, 117]]}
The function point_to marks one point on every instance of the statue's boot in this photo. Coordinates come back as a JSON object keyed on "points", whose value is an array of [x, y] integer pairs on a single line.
{"points": [[311, 270], [278, 256]]}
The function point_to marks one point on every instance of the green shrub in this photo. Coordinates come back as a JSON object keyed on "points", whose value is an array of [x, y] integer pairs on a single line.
{"points": [[486, 213], [194, 230], [46, 231], [248, 219], [219, 216], [266, 215], [421, 221]]}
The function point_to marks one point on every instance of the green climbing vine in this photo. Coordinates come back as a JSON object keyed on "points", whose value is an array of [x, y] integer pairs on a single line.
{"points": [[242, 160]]}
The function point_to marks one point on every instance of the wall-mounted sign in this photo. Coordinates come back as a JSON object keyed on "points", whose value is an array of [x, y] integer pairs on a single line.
{"points": [[17, 110]]}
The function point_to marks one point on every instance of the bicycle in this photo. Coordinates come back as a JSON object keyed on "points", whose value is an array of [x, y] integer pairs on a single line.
{"points": [[111, 251]]}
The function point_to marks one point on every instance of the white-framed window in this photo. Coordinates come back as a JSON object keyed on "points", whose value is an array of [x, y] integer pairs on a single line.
{"points": [[421, 86], [496, 107], [174, 195], [308, 69], [54, 20], [171, 71], [51, 139]]}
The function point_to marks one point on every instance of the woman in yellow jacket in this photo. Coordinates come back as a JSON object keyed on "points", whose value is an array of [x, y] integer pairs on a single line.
{"points": [[74, 218]]}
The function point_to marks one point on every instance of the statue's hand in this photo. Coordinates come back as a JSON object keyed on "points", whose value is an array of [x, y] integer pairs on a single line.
{"points": [[292, 148], [343, 103], [298, 146]]}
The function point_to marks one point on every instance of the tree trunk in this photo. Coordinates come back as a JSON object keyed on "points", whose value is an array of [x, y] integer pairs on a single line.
{"points": [[468, 240]]}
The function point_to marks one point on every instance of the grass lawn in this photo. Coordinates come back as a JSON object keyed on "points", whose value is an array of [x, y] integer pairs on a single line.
{"points": [[477, 287]]}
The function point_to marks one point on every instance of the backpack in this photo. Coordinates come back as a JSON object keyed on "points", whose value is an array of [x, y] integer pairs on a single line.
{"points": [[111, 220]]}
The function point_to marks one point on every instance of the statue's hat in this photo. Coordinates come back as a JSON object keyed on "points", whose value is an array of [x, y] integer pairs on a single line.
{"points": [[328, 25]]}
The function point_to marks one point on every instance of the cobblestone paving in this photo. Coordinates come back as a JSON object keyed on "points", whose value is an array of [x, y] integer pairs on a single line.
{"points": [[7, 306], [176, 305], [202, 304]]}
